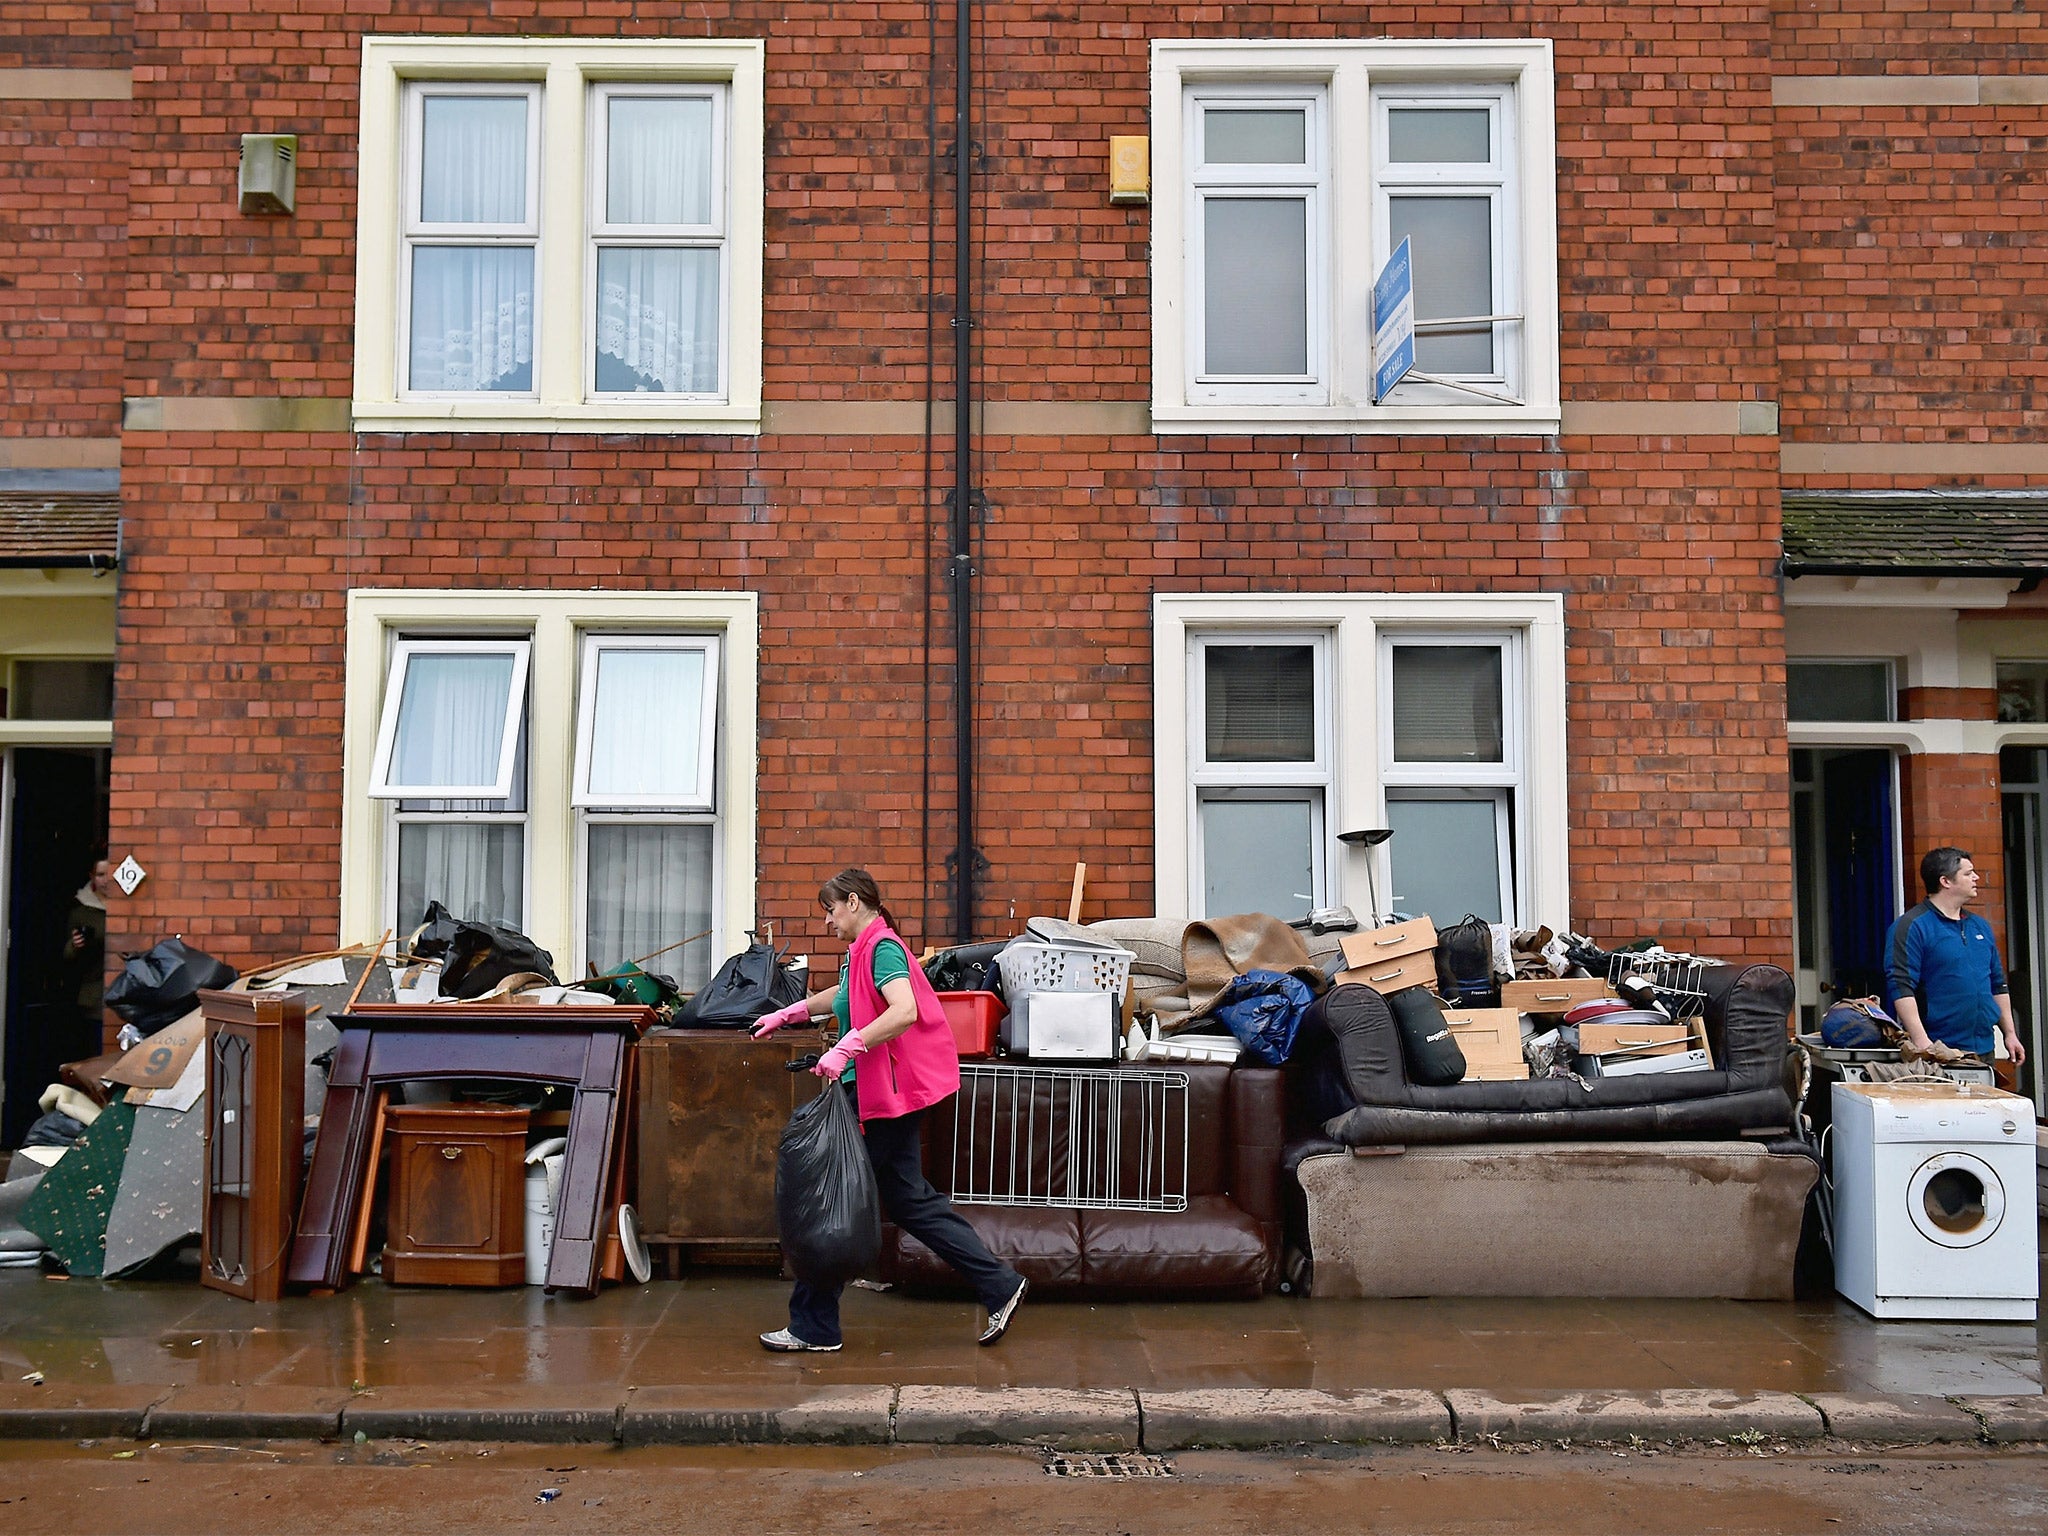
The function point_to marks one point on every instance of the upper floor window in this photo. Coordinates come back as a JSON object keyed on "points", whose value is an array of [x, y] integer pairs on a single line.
{"points": [[572, 238], [1292, 173]]}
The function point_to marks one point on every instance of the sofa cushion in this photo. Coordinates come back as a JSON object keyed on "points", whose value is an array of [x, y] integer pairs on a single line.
{"points": [[1154, 941], [1211, 1246], [1042, 1244]]}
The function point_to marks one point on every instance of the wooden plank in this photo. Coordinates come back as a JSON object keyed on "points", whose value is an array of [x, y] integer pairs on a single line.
{"points": [[1080, 883], [359, 1239]]}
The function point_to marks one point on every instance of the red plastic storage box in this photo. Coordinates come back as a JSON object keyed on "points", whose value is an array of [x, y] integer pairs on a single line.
{"points": [[974, 1016]]}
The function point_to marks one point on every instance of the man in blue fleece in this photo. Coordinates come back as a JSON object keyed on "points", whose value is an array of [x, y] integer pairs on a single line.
{"points": [[1942, 973]]}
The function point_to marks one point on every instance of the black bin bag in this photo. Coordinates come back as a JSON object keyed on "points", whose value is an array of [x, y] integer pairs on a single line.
{"points": [[754, 982], [1428, 1048], [162, 985], [826, 1208]]}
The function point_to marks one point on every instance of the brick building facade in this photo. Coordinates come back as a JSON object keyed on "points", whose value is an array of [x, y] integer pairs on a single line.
{"points": [[1757, 250]]}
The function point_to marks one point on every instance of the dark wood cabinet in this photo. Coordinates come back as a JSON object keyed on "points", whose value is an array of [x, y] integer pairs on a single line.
{"points": [[457, 1208], [712, 1106]]}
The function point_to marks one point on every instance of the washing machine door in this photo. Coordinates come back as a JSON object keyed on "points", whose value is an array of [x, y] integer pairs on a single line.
{"points": [[1955, 1199]]}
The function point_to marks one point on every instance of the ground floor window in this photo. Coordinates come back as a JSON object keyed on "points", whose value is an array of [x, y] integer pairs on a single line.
{"points": [[1286, 722], [579, 766]]}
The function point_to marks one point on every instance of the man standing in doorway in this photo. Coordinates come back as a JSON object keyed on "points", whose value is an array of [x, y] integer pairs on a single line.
{"points": [[1942, 971], [85, 949]]}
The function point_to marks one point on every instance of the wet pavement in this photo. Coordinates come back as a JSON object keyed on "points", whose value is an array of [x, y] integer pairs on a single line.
{"points": [[700, 1331]]}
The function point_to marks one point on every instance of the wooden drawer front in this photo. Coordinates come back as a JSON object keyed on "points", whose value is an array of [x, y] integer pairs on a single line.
{"points": [[1552, 996], [1395, 975], [1487, 1034], [1635, 1039], [1370, 946]]}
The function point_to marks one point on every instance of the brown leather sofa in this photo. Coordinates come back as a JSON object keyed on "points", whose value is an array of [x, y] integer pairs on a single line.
{"points": [[1225, 1243]]}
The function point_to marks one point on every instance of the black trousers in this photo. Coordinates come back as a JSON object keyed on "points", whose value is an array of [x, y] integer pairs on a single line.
{"points": [[914, 1205]]}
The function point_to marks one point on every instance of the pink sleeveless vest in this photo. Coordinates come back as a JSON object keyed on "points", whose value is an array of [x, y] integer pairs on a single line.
{"points": [[920, 1066]]}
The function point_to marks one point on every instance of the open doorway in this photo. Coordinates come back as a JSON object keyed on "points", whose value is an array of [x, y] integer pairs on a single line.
{"points": [[53, 825], [2023, 772], [1845, 872]]}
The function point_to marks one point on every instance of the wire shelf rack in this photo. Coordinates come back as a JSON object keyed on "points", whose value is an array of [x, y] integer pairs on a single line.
{"points": [[1680, 980], [1094, 1138]]}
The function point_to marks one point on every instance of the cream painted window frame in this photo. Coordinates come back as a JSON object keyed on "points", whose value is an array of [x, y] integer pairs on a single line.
{"points": [[1352, 71], [567, 71], [556, 622], [1357, 622]]}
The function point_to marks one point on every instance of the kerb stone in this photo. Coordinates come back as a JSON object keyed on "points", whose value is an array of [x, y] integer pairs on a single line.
{"points": [[730, 1415], [1063, 1420], [1250, 1417], [1678, 1413], [1900, 1419]]}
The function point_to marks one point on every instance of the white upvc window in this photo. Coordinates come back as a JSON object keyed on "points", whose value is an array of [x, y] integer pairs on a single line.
{"points": [[1258, 202], [560, 235], [470, 259], [451, 772], [657, 241], [622, 825], [1452, 747], [1443, 181], [1288, 173], [1259, 746], [1284, 721]]}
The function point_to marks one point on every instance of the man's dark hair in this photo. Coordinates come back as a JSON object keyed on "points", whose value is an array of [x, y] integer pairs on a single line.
{"points": [[1939, 865]]}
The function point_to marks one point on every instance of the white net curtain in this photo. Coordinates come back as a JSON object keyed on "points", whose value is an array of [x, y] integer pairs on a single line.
{"points": [[473, 305], [658, 305]]}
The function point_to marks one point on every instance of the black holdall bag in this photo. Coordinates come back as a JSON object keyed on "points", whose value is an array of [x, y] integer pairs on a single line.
{"points": [[1464, 963], [754, 982], [1428, 1048]]}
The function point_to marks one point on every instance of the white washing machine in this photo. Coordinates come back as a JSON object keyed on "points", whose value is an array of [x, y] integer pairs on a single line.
{"points": [[1932, 1187]]}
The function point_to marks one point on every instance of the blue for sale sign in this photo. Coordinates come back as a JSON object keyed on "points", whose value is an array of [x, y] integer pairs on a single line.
{"points": [[1393, 323]]}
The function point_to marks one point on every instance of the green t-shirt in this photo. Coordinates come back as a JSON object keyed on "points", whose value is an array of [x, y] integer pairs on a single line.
{"points": [[891, 962]]}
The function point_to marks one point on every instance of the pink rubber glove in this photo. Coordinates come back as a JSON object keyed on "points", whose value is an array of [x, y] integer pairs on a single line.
{"points": [[835, 1061], [781, 1018]]}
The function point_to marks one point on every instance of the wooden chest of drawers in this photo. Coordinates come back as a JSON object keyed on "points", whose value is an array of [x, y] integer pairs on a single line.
{"points": [[457, 1210]]}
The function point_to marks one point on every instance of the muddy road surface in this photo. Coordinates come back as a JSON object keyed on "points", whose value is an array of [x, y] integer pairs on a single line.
{"points": [[445, 1488]]}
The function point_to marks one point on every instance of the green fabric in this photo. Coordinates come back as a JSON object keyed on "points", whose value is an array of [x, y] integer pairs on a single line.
{"points": [[69, 1209], [891, 962]]}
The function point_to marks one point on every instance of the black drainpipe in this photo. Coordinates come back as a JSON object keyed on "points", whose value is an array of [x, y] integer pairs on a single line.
{"points": [[963, 470]]}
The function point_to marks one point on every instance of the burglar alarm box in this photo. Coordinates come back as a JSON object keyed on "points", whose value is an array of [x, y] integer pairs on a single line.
{"points": [[269, 178], [255, 1138]]}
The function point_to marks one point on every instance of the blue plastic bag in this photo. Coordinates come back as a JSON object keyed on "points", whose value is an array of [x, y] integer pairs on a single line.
{"points": [[1264, 1009]]}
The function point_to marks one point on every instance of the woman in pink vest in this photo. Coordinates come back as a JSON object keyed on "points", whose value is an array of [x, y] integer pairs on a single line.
{"points": [[896, 1053]]}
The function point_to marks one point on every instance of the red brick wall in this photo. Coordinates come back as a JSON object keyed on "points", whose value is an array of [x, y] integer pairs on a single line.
{"points": [[1954, 801], [63, 210], [1911, 237], [1948, 703], [240, 549], [1908, 37]]}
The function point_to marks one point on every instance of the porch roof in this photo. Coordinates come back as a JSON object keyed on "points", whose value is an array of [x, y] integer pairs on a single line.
{"points": [[1916, 533], [59, 528]]}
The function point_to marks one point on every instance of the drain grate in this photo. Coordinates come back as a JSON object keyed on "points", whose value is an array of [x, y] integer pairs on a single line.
{"points": [[1118, 1465]]}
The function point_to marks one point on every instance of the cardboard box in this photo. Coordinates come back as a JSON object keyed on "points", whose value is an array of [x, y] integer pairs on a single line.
{"points": [[1551, 997], [1394, 975], [1602, 1039], [1370, 946]]}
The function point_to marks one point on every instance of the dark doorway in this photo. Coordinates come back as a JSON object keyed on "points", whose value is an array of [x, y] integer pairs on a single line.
{"points": [[57, 826], [1846, 863]]}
